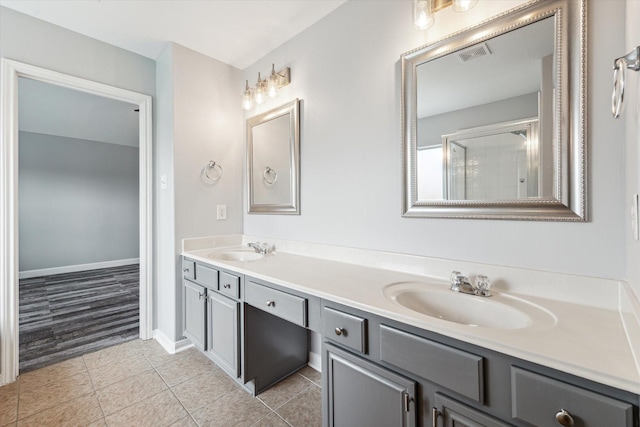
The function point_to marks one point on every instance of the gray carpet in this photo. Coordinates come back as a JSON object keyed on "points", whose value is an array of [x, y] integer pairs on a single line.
{"points": [[67, 315]]}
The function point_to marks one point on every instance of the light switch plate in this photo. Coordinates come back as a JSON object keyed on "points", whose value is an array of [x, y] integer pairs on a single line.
{"points": [[221, 212], [635, 220]]}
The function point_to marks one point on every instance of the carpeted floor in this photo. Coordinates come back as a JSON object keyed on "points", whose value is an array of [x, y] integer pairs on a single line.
{"points": [[67, 315]]}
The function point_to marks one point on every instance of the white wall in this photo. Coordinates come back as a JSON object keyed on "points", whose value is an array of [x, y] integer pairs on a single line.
{"points": [[631, 117], [78, 202], [200, 120], [346, 70]]}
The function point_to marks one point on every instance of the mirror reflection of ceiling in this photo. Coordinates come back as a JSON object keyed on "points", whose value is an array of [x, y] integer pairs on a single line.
{"points": [[54, 110], [512, 69]]}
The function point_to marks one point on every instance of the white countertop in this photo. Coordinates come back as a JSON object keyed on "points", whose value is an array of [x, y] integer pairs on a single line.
{"points": [[590, 339]]}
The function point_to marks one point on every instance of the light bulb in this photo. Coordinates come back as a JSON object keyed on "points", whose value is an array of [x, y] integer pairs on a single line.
{"points": [[463, 5], [423, 14], [247, 97], [260, 90], [273, 83]]}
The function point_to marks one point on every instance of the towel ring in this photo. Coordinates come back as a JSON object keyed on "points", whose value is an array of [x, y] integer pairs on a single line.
{"points": [[212, 172], [619, 78], [270, 176], [632, 62]]}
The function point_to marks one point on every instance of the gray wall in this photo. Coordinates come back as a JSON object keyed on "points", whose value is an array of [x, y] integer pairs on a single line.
{"points": [[346, 70], [78, 201], [199, 119], [631, 118]]}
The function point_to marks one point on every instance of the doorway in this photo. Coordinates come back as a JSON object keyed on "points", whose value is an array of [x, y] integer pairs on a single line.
{"points": [[11, 72]]}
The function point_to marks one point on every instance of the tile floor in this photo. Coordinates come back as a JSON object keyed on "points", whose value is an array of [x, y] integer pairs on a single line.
{"points": [[139, 384]]}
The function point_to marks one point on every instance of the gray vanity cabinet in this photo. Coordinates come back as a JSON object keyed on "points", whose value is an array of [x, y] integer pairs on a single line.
{"points": [[223, 321], [194, 322], [450, 413], [378, 372], [362, 394]]}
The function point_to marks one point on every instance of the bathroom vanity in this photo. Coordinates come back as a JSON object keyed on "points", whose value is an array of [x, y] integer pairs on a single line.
{"points": [[384, 364]]}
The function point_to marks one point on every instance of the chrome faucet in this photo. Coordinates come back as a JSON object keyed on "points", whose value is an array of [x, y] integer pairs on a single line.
{"points": [[461, 283], [261, 248]]}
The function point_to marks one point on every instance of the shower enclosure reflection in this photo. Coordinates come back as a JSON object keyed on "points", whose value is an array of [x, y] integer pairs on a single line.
{"points": [[495, 162]]}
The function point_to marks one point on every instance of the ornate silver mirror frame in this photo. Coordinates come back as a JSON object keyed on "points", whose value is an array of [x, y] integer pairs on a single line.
{"points": [[566, 200], [273, 161]]}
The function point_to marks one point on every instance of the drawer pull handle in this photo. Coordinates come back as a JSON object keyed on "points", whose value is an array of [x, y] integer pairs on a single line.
{"points": [[434, 416], [226, 286], [341, 331], [185, 270], [564, 418], [271, 303]]}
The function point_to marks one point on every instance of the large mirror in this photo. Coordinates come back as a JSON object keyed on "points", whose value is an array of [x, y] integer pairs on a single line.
{"points": [[273, 161], [494, 118]]}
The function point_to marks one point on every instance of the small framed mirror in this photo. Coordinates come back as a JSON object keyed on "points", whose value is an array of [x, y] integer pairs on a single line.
{"points": [[273, 161], [494, 118]]}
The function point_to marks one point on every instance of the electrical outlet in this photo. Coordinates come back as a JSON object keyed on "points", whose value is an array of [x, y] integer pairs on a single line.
{"points": [[221, 212], [635, 220]]}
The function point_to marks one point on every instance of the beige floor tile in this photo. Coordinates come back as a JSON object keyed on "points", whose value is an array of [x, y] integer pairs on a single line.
{"points": [[155, 353], [311, 374], [304, 410], [77, 412], [99, 423], [52, 373], [8, 403], [236, 409], [118, 370], [163, 409], [204, 389], [184, 366], [37, 399], [112, 354], [185, 422], [271, 420], [130, 391], [284, 391]]}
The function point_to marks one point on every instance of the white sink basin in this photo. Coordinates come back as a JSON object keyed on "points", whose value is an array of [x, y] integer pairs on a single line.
{"points": [[236, 255], [497, 312]]}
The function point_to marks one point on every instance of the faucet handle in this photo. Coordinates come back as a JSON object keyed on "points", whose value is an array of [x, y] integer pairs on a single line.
{"points": [[482, 285]]}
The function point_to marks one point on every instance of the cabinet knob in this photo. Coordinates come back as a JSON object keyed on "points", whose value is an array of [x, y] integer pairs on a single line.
{"points": [[201, 295], [340, 331], [185, 270], [226, 286], [271, 303], [564, 418]]}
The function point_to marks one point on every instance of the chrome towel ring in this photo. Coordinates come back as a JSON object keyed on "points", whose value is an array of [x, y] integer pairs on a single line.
{"points": [[620, 65], [270, 176], [212, 172]]}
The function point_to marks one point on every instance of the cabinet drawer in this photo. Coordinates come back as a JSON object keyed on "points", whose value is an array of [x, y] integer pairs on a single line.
{"points": [[207, 276], [281, 304], [455, 369], [188, 269], [537, 399], [230, 285], [345, 329]]}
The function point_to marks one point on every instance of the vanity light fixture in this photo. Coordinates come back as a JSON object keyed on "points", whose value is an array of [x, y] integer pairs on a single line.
{"points": [[424, 10], [265, 87]]}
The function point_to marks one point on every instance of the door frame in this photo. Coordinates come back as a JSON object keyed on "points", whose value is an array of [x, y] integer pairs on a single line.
{"points": [[10, 71]]}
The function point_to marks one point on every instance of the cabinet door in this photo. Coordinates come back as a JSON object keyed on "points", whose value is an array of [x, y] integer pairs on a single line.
{"points": [[456, 414], [223, 326], [194, 322], [361, 394]]}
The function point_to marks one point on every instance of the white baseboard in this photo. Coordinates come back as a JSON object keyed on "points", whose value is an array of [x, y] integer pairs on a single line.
{"points": [[79, 267], [315, 361], [171, 347]]}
